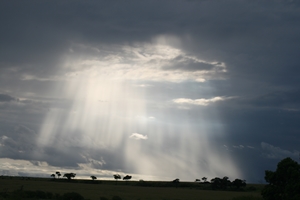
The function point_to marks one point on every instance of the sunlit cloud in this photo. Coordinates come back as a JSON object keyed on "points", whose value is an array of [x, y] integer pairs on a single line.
{"points": [[142, 61], [138, 136], [199, 102]]}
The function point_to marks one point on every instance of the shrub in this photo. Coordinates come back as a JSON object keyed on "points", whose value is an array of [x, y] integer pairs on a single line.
{"points": [[284, 183]]}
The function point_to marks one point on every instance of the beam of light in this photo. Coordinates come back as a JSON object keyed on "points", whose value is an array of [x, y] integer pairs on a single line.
{"points": [[107, 112], [99, 110]]}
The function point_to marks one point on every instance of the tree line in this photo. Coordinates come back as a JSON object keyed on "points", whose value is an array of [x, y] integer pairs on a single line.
{"points": [[216, 183], [71, 175], [283, 183]]}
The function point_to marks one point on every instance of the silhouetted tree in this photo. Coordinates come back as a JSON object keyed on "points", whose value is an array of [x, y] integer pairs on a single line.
{"points": [[93, 177], [225, 182], [69, 176], [284, 183], [220, 183], [197, 180], [204, 179], [216, 183], [52, 175], [117, 176], [58, 174], [238, 183], [127, 177], [176, 180]]}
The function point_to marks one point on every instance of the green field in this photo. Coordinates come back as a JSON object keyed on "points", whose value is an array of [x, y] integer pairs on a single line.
{"points": [[133, 190]]}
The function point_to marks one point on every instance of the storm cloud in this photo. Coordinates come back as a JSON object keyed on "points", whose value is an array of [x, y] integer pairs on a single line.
{"points": [[157, 89]]}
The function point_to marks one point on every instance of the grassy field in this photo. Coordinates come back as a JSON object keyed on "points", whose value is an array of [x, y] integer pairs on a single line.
{"points": [[127, 191]]}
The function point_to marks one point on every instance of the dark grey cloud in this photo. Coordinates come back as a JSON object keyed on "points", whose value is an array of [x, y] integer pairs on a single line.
{"points": [[245, 35], [289, 100], [6, 98], [256, 41], [18, 142]]}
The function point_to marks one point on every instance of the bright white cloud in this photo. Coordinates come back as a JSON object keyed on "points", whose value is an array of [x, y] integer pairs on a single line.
{"points": [[138, 136], [199, 102], [144, 61]]}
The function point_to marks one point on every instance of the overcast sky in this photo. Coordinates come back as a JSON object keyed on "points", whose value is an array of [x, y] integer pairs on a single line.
{"points": [[155, 89]]}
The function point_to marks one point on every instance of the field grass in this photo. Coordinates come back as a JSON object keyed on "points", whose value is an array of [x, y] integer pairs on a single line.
{"points": [[93, 190]]}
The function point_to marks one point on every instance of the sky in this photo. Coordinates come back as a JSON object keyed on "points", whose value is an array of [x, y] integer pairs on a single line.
{"points": [[155, 89]]}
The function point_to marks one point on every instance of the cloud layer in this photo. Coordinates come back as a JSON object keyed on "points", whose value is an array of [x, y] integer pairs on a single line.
{"points": [[212, 86]]}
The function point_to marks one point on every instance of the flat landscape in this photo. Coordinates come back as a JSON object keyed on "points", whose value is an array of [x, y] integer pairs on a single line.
{"points": [[131, 190]]}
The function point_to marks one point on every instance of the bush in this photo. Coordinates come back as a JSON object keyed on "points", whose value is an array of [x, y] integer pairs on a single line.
{"points": [[284, 183]]}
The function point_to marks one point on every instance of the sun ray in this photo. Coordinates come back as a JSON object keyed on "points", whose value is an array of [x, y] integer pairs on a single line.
{"points": [[108, 112]]}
